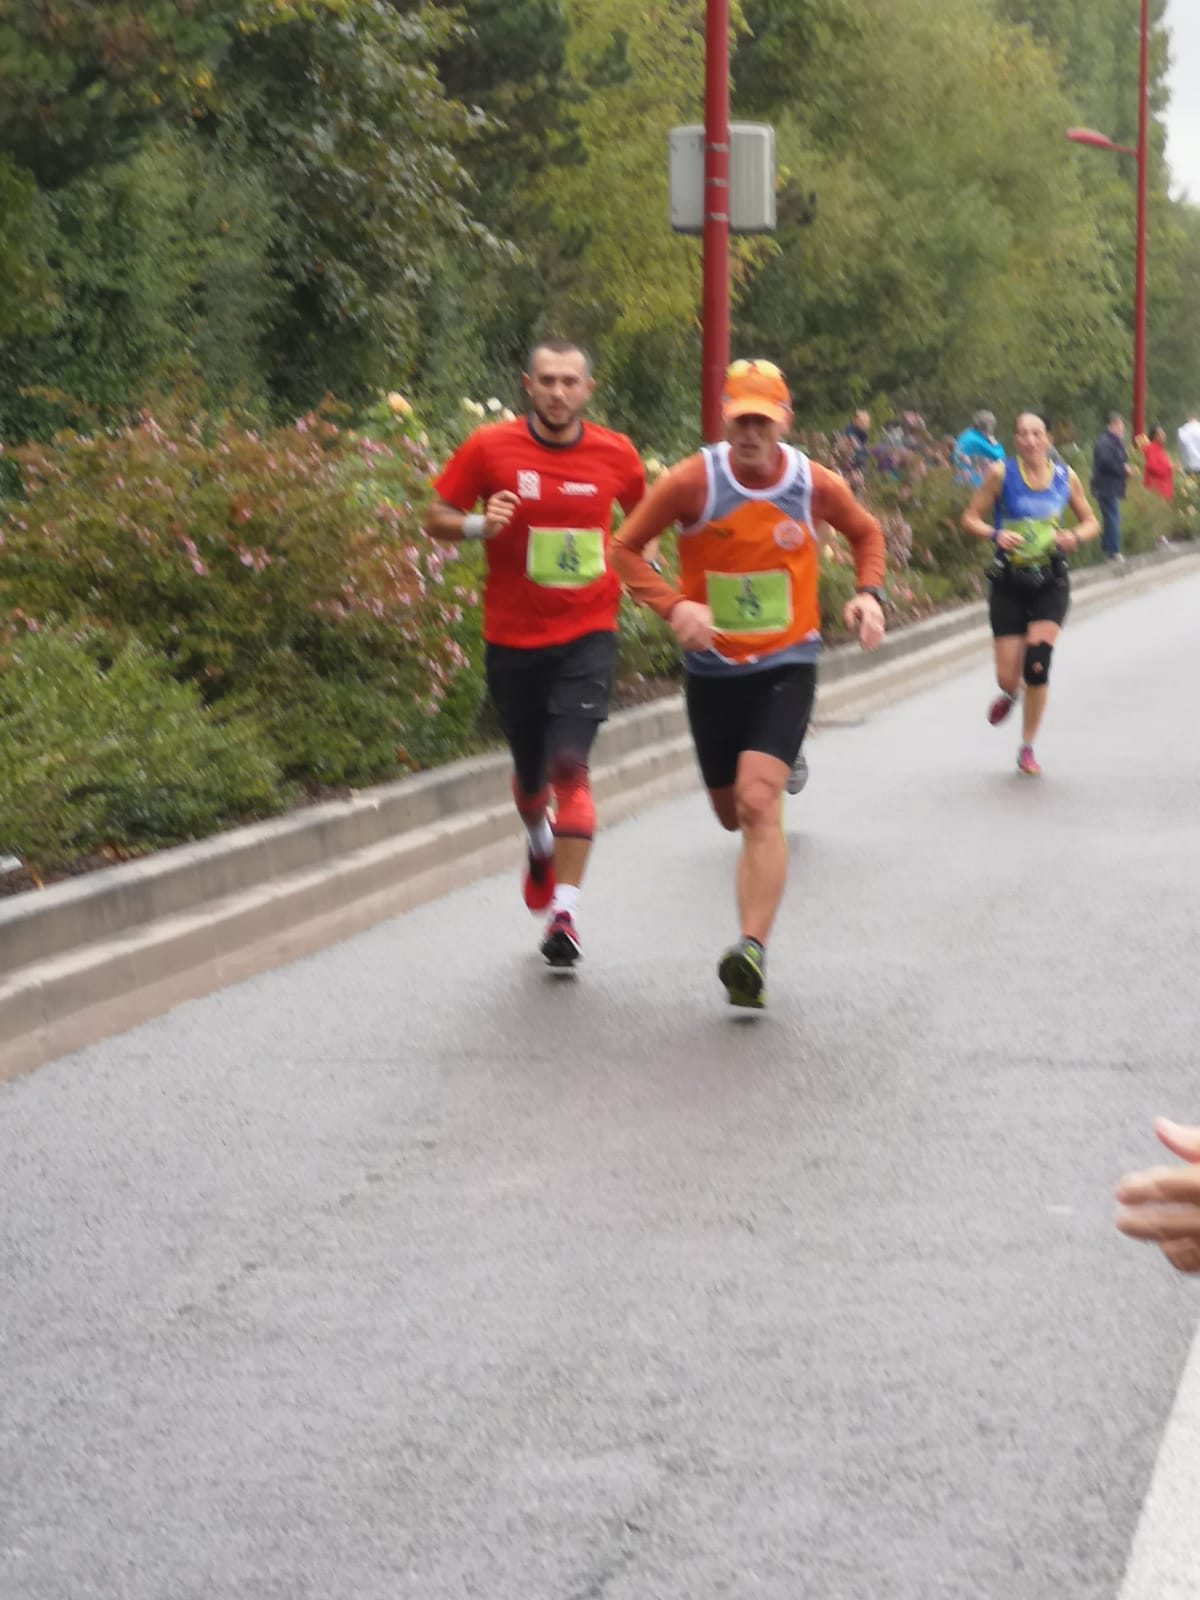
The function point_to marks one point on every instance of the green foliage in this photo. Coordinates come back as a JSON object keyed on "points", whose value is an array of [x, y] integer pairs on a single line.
{"points": [[106, 749], [1146, 520], [646, 647], [279, 199], [944, 264], [24, 298], [361, 148], [256, 192], [280, 572], [1186, 510], [255, 204], [608, 273]]}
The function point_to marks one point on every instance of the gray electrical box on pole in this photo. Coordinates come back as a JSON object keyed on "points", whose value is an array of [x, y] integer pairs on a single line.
{"points": [[751, 178]]}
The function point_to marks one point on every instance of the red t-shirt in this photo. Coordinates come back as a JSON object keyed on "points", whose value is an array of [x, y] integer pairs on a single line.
{"points": [[1159, 474], [548, 574]]}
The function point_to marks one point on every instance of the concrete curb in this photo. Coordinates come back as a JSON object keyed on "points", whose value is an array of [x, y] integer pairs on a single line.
{"points": [[90, 957]]}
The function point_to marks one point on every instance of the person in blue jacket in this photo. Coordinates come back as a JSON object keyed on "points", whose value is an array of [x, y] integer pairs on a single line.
{"points": [[976, 450]]}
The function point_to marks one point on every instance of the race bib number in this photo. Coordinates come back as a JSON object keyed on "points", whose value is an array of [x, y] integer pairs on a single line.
{"points": [[565, 558], [1038, 543], [750, 602]]}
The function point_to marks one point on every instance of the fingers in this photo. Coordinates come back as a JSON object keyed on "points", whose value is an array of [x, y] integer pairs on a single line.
{"points": [[1174, 1184], [1160, 1222], [501, 506], [871, 633], [1183, 1254], [692, 625], [865, 619], [1182, 1141]]}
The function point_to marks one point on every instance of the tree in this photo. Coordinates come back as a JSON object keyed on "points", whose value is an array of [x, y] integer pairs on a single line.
{"points": [[942, 196]]}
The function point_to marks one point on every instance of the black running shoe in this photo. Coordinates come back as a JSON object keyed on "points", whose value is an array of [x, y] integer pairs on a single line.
{"points": [[743, 971]]}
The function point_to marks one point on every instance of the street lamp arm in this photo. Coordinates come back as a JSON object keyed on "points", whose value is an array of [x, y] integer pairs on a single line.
{"points": [[1099, 141]]}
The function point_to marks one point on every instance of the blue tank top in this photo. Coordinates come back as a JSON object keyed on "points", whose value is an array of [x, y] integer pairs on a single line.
{"points": [[1036, 514]]}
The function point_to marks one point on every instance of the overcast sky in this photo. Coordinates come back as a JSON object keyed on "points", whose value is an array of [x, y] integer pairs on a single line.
{"points": [[1183, 117]]}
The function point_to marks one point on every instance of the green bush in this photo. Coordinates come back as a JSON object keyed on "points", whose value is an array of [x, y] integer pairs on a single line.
{"points": [[283, 572], [1146, 520], [99, 751], [1186, 510]]}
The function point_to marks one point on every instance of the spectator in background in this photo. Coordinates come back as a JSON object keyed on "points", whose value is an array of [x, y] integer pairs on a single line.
{"points": [[1158, 474], [976, 449], [853, 449], [1110, 469], [888, 455], [1189, 443]]}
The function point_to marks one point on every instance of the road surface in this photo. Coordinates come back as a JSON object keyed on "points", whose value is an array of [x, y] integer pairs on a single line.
{"points": [[410, 1272]]}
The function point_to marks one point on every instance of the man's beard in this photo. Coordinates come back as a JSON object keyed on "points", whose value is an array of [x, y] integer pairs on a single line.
{"points": [[570, 422]]}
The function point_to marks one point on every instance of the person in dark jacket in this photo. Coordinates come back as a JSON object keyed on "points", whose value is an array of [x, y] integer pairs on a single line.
{"points": [[858, 437], [1110, 469]]}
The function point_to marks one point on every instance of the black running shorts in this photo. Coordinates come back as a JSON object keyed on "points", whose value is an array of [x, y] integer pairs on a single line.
{"points": [[550, 702], [1012, 609], [767, 711]]}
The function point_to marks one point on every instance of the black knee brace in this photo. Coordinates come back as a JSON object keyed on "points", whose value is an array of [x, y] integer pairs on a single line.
{"points": [[1037, 664]]}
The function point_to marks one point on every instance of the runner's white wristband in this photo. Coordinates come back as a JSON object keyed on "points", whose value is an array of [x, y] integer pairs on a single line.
{"points": [[474, 526]]}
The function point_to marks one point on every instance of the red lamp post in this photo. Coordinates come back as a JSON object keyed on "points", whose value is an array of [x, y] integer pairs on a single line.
{"points": [[715, 335], [1098, 140]]}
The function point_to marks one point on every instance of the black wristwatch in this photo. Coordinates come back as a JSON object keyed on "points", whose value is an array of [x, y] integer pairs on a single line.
{"points": [[876, 594]]}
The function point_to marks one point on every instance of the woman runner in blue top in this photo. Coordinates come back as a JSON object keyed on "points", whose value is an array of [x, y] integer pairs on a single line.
{"points": [[1019, 507]]}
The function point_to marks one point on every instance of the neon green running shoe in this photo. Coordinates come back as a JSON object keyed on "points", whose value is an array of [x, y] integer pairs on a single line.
{"points": [[743, 971]]}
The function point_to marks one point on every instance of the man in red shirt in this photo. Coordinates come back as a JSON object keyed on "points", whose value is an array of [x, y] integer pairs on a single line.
{"points": [[547, 484]]}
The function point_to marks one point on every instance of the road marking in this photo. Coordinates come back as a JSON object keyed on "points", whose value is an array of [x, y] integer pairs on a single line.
{"points": [[1165, 1560]]}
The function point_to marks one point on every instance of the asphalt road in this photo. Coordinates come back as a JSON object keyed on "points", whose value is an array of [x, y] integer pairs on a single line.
{"points": [[410, 1272]]}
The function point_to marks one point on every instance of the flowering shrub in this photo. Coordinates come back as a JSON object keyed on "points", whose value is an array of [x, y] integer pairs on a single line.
{"points": [[1187, 504], [908, 484], [193, 614], [282, 572]]}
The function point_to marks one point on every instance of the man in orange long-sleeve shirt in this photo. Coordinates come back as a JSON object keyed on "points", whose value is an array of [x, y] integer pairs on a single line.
{"points": [[748, 619]]}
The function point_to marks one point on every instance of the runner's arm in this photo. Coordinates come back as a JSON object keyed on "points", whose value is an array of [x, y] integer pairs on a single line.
{"points": [[453, 525], [980, 516], [677, 497], [833, 502], [458, 488]]}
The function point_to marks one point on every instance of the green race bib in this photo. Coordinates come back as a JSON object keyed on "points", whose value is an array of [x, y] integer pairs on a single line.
{"points": [[565, 558], [1039, 542], [750, 602]]}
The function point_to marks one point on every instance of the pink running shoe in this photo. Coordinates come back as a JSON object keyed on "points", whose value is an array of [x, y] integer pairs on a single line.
{"points": [[1000, 707], [561, 946], [1027, 762]]}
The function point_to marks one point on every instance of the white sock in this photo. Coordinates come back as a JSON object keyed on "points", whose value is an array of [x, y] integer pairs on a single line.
{"points": [[541, 838], [566, 898]]}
